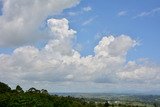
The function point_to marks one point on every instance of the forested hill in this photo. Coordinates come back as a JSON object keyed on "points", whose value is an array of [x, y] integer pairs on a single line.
{"points": [[38, 98]]}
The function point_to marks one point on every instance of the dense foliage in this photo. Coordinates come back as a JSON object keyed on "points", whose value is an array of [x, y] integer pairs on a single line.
{"points": [[40, 98], [37, 98], [4, 88]]}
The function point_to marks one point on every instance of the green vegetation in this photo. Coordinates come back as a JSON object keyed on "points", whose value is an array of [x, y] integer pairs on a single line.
{"points": [[37, 98], [4, 88], [40, 98]]}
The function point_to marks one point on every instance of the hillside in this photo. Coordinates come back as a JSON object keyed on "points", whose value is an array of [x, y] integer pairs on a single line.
{"points": [[41, 98]]}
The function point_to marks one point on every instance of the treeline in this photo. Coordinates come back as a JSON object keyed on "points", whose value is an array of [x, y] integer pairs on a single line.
{"points": [[39, 98]]}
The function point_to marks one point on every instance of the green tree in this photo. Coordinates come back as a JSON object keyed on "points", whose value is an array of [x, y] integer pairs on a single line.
{"points": [[37, 98], [43, 91], [4, 88], [106, 104], [19, 89], [155, 105], [33, 90]]}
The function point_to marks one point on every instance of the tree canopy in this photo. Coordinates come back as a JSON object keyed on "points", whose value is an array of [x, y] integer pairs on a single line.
{"points": [[19, 89], [36, 98], [4, 88]]}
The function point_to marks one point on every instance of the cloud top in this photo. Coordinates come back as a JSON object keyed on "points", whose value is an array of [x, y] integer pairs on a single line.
{"points": [[58, 64], [58, 61], [21, 20]]}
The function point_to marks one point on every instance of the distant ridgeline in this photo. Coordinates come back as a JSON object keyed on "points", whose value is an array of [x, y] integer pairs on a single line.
{"points": [[40, 98]]}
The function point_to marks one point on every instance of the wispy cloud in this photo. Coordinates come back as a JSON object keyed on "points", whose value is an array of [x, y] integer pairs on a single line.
{"points": [[72, 13], [87, 21], [88, 8], [83, 10], [122, 13], [148, 13]]}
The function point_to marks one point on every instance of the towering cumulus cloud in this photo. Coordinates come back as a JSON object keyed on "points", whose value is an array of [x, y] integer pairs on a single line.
{"points": [[21, 19], [58, 64]]}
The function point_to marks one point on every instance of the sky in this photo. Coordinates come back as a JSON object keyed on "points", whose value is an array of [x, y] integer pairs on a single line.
{"points": [[81, 45]]}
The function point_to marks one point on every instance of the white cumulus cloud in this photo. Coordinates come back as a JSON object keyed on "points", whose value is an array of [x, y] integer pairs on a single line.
{"points": [[59, 63], [21, 19]]}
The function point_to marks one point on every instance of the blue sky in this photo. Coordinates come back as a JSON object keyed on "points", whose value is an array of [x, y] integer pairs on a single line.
{"points": [[81, 45], [106, 21]]}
